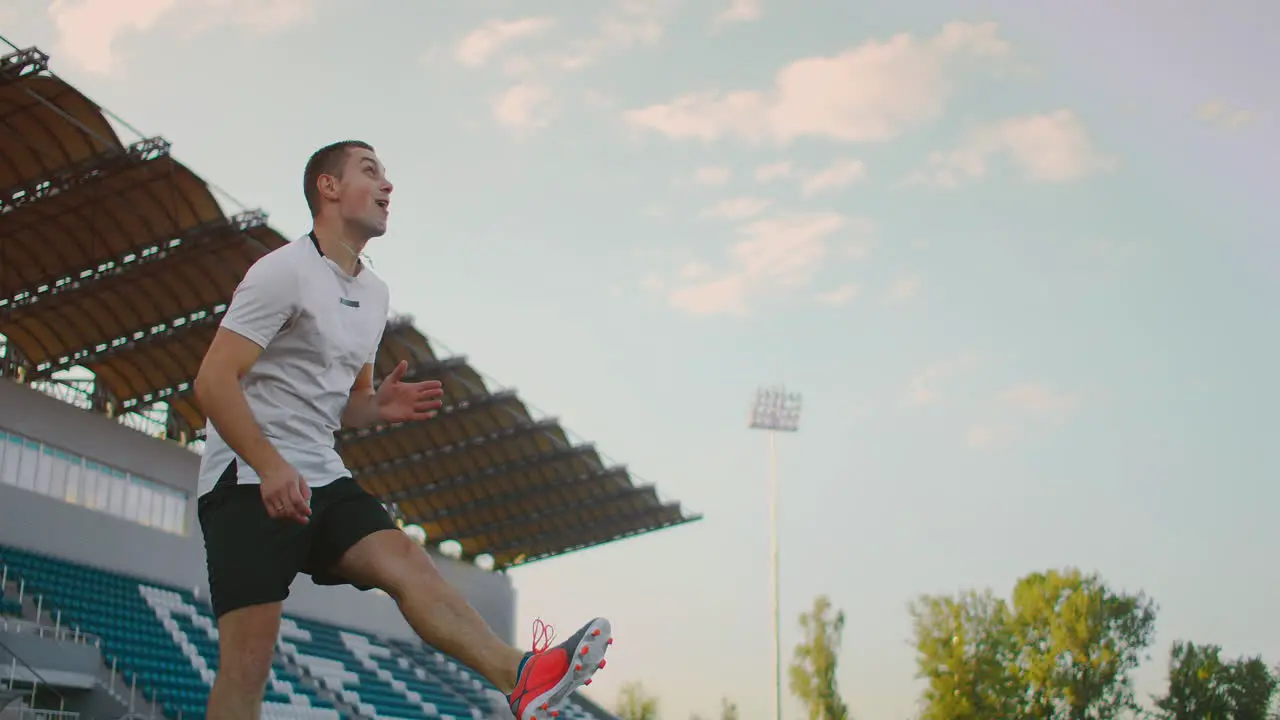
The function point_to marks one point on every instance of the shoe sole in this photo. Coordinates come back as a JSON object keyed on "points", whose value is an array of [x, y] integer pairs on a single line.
{"points": [[597, 644]]}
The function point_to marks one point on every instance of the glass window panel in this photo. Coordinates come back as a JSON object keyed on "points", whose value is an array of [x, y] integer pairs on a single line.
{"points": [[32, 465], [143, 513], [131, 499], [103, 493], [116, 502], [43, 478], [58, 474], [28, 464], [180, 525], [12, 455], [73, 494], [157, 509]]}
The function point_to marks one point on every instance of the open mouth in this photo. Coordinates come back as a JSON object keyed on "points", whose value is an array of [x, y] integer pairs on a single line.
{"points": [[384, 204]]}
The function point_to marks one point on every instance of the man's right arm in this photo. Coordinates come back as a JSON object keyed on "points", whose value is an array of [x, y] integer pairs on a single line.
{"points": [[218, 391], [263, 302]]}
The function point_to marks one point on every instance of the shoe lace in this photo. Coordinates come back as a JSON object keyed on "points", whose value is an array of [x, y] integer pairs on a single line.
{"points": [[543, 634]]}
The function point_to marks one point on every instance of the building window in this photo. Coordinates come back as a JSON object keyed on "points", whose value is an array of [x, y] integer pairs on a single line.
{"points": [[54, 472]]}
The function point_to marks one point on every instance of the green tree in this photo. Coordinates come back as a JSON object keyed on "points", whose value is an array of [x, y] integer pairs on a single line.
{"points": [[634, 703], [965, 651], [728, 710], [1078, 643], [813, 671], [1202, 686]]}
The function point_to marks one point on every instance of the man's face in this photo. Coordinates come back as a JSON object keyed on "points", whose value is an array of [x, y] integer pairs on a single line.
{"points": [[364, 193]]}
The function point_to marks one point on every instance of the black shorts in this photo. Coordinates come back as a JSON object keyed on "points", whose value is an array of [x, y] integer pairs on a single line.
{"points": [[253, 558]]}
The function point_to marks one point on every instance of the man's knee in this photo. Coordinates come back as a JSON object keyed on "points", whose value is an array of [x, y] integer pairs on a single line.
{"points": [[246, 647], [390, 561]]}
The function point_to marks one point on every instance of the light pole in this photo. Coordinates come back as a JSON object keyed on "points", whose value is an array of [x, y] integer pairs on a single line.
{"points": [[775, 410]]}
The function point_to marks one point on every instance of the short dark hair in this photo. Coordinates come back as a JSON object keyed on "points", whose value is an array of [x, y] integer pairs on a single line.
{"points": [[327, 160]]}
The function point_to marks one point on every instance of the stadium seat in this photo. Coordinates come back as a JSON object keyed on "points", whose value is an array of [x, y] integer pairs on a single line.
{"points": [[167, 640], [365, 673], [9, 604]]}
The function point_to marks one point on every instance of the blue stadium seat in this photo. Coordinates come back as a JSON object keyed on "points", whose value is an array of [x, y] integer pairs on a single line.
{"points": [[166, 639], [9, 604], [359, 668], [160, 637]]}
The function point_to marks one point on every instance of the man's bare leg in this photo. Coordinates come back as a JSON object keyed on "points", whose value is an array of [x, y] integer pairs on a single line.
{"points": [[246, 646], [391, 561]]}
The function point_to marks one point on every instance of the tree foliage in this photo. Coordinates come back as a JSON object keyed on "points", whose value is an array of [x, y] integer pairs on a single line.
{"points": [[1079, 642], [965, 650], [813, 670], [1202, 686], [634, 703], [1064, 649]]}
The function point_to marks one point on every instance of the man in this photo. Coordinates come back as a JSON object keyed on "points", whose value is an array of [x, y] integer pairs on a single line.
{"points": [[292, 363]]}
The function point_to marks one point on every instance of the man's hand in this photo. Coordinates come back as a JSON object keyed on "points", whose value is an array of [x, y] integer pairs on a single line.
{"points": [[286, 495], [400, 401]]}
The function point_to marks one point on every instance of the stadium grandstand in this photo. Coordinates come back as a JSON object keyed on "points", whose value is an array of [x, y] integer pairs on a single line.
{"points": [[116, 264]]}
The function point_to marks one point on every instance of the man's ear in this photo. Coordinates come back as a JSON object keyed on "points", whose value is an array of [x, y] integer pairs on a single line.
{"points": [[328, 187]]}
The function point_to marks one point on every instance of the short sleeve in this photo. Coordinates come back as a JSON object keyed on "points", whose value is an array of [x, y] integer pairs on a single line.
{"points": [[373, 354], [263, 301], [382, 329]]}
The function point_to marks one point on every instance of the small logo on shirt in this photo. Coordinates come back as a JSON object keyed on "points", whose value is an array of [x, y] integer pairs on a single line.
{"points": [[349, 302]]}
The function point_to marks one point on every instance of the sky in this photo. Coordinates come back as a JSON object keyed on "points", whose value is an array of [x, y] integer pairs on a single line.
{"points": [[1020, 259]]}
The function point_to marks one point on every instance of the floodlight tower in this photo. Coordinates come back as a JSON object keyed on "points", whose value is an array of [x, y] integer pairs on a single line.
{"points": [[775, 410]]}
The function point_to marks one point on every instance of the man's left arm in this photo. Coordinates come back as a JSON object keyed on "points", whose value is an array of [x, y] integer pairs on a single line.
{"points": [[394, 401], [362, 406]]}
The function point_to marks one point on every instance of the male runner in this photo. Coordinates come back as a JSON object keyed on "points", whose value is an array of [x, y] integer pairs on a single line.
{"points": [[291, 364]]}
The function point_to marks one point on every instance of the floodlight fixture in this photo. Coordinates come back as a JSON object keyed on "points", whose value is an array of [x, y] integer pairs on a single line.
{"points": [[776, 409]]}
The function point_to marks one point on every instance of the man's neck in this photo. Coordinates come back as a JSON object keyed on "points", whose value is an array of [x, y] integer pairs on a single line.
{"points": [[340, 247]]}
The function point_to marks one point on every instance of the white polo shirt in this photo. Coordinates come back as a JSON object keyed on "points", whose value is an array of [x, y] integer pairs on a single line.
{"points": [[317, 326]]}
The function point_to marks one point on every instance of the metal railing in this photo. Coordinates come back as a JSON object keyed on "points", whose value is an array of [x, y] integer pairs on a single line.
{"points": [[140, 707], [36, 679], [71, 634], [56, 631], [136, 701], [37, 714]]}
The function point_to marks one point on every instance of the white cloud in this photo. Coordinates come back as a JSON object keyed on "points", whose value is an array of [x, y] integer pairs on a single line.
{"points": [[840, 174], [740, 11], [773, 171], [1027, 401], [872, 92], [841, 296], [923, 388], [862, 243], [653, 282], [1040, 399], [902, 290], [712, 175], [988, 435], [523, 107], [739, 208], [87, 30], [475, 49], [628, 24], [774, 255], [598, 100], [1048, 148], [1216, 112]]}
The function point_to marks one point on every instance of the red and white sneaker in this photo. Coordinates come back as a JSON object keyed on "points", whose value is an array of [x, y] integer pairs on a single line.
{"points": [[551, 674]]}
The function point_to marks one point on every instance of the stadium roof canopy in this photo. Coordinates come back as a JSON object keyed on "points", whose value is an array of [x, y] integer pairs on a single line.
{"points": [[117, 258]]}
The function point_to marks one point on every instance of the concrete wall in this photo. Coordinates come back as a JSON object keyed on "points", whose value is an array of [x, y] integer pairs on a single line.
{"points": [[62, 664], [41, 524]]}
